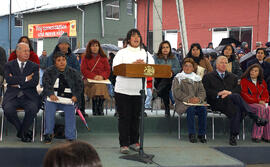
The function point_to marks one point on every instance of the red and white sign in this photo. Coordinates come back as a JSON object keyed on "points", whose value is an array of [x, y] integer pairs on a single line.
{"points": [[52, 29]]}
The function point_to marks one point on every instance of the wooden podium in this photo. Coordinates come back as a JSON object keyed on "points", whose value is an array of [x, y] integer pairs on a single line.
{"points": [[142, 70]]}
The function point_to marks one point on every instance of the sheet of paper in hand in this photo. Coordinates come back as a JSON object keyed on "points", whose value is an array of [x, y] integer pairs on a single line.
{"points": [[61, 100]]}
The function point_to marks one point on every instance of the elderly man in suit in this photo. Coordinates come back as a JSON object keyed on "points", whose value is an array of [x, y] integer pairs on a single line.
{"points": [[22, 77], [222, 91]]}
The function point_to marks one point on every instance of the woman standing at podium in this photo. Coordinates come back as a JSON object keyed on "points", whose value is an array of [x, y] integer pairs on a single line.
{"points": [[127, 92], [163, 85]]}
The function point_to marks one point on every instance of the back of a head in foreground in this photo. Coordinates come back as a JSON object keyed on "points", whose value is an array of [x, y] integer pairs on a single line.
{"points": [[72, 154]]}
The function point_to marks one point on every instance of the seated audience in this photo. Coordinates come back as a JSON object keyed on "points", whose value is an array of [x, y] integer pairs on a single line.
{"points": [[260, 59], [72, 154], [188, 88], [33, 56], [96, 66], [254, 92], [233, 65], [223, 94], [22, 78], [3, 60], [203, 64], [163, 85], [60, 81]]}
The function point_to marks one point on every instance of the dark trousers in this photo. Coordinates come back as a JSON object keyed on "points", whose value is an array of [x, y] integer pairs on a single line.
{"points": [[30, 109], [202, 116], [163, 87], [242, 110], [128, 108]]}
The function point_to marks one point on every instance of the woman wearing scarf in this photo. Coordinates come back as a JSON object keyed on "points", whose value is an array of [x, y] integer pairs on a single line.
{"points": [[188, 88]]}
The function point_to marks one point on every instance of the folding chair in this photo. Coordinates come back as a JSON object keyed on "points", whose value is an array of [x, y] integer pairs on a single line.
{"points": [[213, 124], [3, 120]]}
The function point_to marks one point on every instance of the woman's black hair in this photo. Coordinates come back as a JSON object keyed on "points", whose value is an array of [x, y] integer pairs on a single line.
{"points": [[233, 56], [58, 54], [132, 32], [264, 51], [247, 72], [201, 56], [159, 53], [29, 42]]}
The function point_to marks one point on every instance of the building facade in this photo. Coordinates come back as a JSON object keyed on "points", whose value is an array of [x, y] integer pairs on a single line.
{"points": [[211, 20], [16, 32], [107, 21]]}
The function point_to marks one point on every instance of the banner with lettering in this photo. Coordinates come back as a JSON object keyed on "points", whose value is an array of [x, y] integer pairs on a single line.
{"points": [[49, 30]]}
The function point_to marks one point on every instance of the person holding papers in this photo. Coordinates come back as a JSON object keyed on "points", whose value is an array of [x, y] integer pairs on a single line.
{"points": [[62, 88], [95, 66], [189, 95]]}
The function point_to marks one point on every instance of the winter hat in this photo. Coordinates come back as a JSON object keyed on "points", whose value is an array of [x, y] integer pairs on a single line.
{"points": [[63, 39], [243, 44], [267, 44]]}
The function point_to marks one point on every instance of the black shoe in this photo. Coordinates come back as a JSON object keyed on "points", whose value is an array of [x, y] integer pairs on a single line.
{"points": [[233, 141], [47, 139], [261, 122], [265, 140], [167, 113], [144, 114], [202, 138], [192, 138], [115, 114], [26, 139], [70, 140], [255, 140]]}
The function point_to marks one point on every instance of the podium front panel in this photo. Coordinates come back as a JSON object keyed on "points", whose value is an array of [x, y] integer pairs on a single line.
{"points": [[142, 70]]}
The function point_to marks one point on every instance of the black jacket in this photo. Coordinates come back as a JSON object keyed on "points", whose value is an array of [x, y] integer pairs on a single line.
{"points": [[14, 76], [213, 84], [73, 78]]}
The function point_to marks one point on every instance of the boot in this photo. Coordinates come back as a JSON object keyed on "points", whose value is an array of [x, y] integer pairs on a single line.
{"points": [[94, 106], [100, 106], [167, 111]]}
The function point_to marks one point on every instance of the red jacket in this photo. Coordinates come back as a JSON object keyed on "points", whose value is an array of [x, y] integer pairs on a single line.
{"points": [[254, 93], [102, 68], [149, 82], [33, 57]]}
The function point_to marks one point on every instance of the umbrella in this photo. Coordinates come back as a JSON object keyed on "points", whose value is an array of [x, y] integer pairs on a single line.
{"points": [[110, 47], [82, 118], [209, 50], [226, 41], [245, 59], [79, 50]]}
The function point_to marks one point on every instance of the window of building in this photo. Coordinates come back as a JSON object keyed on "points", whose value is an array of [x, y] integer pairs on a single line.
{"points": [[242, 34], [18, 21], [129, 7], [73, 43], [113, 10]]}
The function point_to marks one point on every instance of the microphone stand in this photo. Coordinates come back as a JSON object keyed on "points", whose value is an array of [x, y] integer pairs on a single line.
{"points": [[141, 156]]}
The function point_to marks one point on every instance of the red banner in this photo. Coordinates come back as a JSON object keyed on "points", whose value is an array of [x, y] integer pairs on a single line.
{"points": [[52, 29]]}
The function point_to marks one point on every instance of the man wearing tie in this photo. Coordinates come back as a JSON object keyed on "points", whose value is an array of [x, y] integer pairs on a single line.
{"points": [[22, 77], [223, 94]]}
